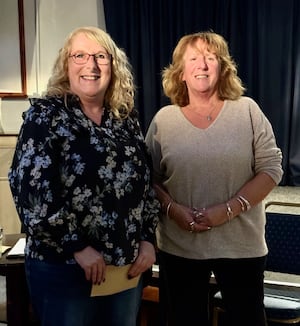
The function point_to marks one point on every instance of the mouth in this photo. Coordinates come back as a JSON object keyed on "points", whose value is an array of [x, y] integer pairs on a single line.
{"points": [[201, 76], [90, 77]]}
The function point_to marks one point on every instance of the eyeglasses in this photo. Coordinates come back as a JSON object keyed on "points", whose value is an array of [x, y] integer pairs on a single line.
{"points": [[101, 58]]}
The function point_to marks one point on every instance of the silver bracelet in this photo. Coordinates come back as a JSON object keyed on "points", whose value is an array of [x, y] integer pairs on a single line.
{"points": [[229, 212], [241, 203], [168, 208], [246, 202]]}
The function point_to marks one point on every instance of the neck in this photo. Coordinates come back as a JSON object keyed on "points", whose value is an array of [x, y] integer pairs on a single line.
{"points": [[94, 113], [205, 109]]}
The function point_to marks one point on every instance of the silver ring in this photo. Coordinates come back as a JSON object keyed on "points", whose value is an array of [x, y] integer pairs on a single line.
{"points": [[191, 226], [198, 214]]}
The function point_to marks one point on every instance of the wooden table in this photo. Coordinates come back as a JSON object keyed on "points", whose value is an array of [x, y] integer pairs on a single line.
{"points": [[18, 304]]}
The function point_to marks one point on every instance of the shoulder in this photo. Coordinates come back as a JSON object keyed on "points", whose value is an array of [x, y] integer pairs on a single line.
{"points": [[244, 101], [251, 110], [246, 105], [47, 109], [165, 120], [46, 103], [42, 107], [168, 108], [51, 115], [166, 112]]}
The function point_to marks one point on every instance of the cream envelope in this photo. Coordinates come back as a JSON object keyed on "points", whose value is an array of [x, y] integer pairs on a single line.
{"points": [[116, 280]]}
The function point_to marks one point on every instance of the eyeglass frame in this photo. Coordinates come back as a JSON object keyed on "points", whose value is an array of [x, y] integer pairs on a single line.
{"points": [[108, 55]]}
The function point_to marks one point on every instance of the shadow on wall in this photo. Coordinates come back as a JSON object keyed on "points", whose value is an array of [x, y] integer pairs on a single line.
{"points": [[9, 219]]}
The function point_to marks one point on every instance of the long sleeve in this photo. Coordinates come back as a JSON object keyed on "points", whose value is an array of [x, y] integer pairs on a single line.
{"points": [[37, 184], [77, 184]]}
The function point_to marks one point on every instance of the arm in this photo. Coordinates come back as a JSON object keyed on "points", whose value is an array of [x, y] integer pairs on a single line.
{"points": [[254, 191], [36, 180], [267, 170], [181, 214], [147, 252]]}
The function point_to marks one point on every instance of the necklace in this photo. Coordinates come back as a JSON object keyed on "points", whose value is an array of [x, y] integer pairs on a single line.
{"points": [[208, 116]]}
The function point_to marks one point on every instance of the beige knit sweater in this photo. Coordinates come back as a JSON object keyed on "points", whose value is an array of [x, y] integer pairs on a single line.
{"points": [[202, 167]]}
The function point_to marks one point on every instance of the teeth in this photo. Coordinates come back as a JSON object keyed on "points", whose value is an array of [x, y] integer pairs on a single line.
{"points": [[201, 76], [90, 77]]}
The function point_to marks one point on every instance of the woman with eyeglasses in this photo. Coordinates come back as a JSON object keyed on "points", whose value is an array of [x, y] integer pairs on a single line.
{"points": [[81, 182]]}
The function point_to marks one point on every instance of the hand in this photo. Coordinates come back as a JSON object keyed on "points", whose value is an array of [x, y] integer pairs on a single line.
{"points": [[145, 259], [93, 264], [185, 218], [211, 216]]}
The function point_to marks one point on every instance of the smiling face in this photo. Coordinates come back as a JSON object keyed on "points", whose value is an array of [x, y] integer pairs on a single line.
{"points": [[201, 69], [89, 80]]}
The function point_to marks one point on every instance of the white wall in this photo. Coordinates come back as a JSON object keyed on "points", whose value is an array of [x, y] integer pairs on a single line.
{"points": [[47, 23]]}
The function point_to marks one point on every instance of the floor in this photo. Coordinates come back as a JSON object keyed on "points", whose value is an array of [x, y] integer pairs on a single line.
{"points": [[285, 194], [2, 297], [282, 194]]}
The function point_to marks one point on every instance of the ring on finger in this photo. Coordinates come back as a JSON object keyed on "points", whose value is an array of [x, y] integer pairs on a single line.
{"points": [[198, 214], [191, 224]]}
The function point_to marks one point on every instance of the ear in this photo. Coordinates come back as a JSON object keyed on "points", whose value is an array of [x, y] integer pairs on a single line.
{"points": [[183, 77]]}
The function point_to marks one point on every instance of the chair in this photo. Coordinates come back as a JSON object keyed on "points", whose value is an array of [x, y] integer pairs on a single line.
{"points": [[149, 308], [152, 311], [282, 296]]}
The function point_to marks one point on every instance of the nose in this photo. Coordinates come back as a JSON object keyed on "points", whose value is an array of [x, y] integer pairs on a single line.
{"points": [[92, 60], [202, 62], [93, 57]]}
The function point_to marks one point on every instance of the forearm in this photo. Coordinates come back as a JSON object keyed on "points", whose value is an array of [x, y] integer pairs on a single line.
{"points": [[257, 188], [163, 196], [252, 193]]}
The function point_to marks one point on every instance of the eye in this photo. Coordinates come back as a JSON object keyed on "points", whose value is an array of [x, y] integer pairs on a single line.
{"points": [[211, 57], [79, 55], [101, 55], [193, 58]]}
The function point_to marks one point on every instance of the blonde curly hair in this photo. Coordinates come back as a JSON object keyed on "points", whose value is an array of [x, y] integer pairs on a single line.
{"points": [[119, 97], [229, 84]]}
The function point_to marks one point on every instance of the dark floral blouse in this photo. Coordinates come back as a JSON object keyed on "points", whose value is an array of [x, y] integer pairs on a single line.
{"points": [[77, 184]]}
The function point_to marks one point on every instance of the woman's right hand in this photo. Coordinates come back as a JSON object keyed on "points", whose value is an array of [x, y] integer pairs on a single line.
{"points": [[93, 264], [185, 218]]}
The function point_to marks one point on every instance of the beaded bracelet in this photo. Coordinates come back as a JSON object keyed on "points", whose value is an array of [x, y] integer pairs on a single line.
{"points": [[229, 212]]}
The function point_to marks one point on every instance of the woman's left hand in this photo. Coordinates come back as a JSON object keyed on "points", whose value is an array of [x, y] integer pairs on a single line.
{"points": [[212, 216], [145, 259]]}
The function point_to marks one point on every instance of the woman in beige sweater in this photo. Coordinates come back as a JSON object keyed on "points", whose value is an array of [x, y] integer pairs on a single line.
{"points": [[215, 159]]}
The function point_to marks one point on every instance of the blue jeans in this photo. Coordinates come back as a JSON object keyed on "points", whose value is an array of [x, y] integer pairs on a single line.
{"points": [[60, 296]]}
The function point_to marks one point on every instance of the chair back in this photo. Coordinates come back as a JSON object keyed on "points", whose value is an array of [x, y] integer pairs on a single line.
{"points": [[283, 241]]}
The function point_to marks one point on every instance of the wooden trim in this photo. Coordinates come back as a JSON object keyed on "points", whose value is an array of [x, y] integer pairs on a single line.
{"points": [[23, 92]]}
